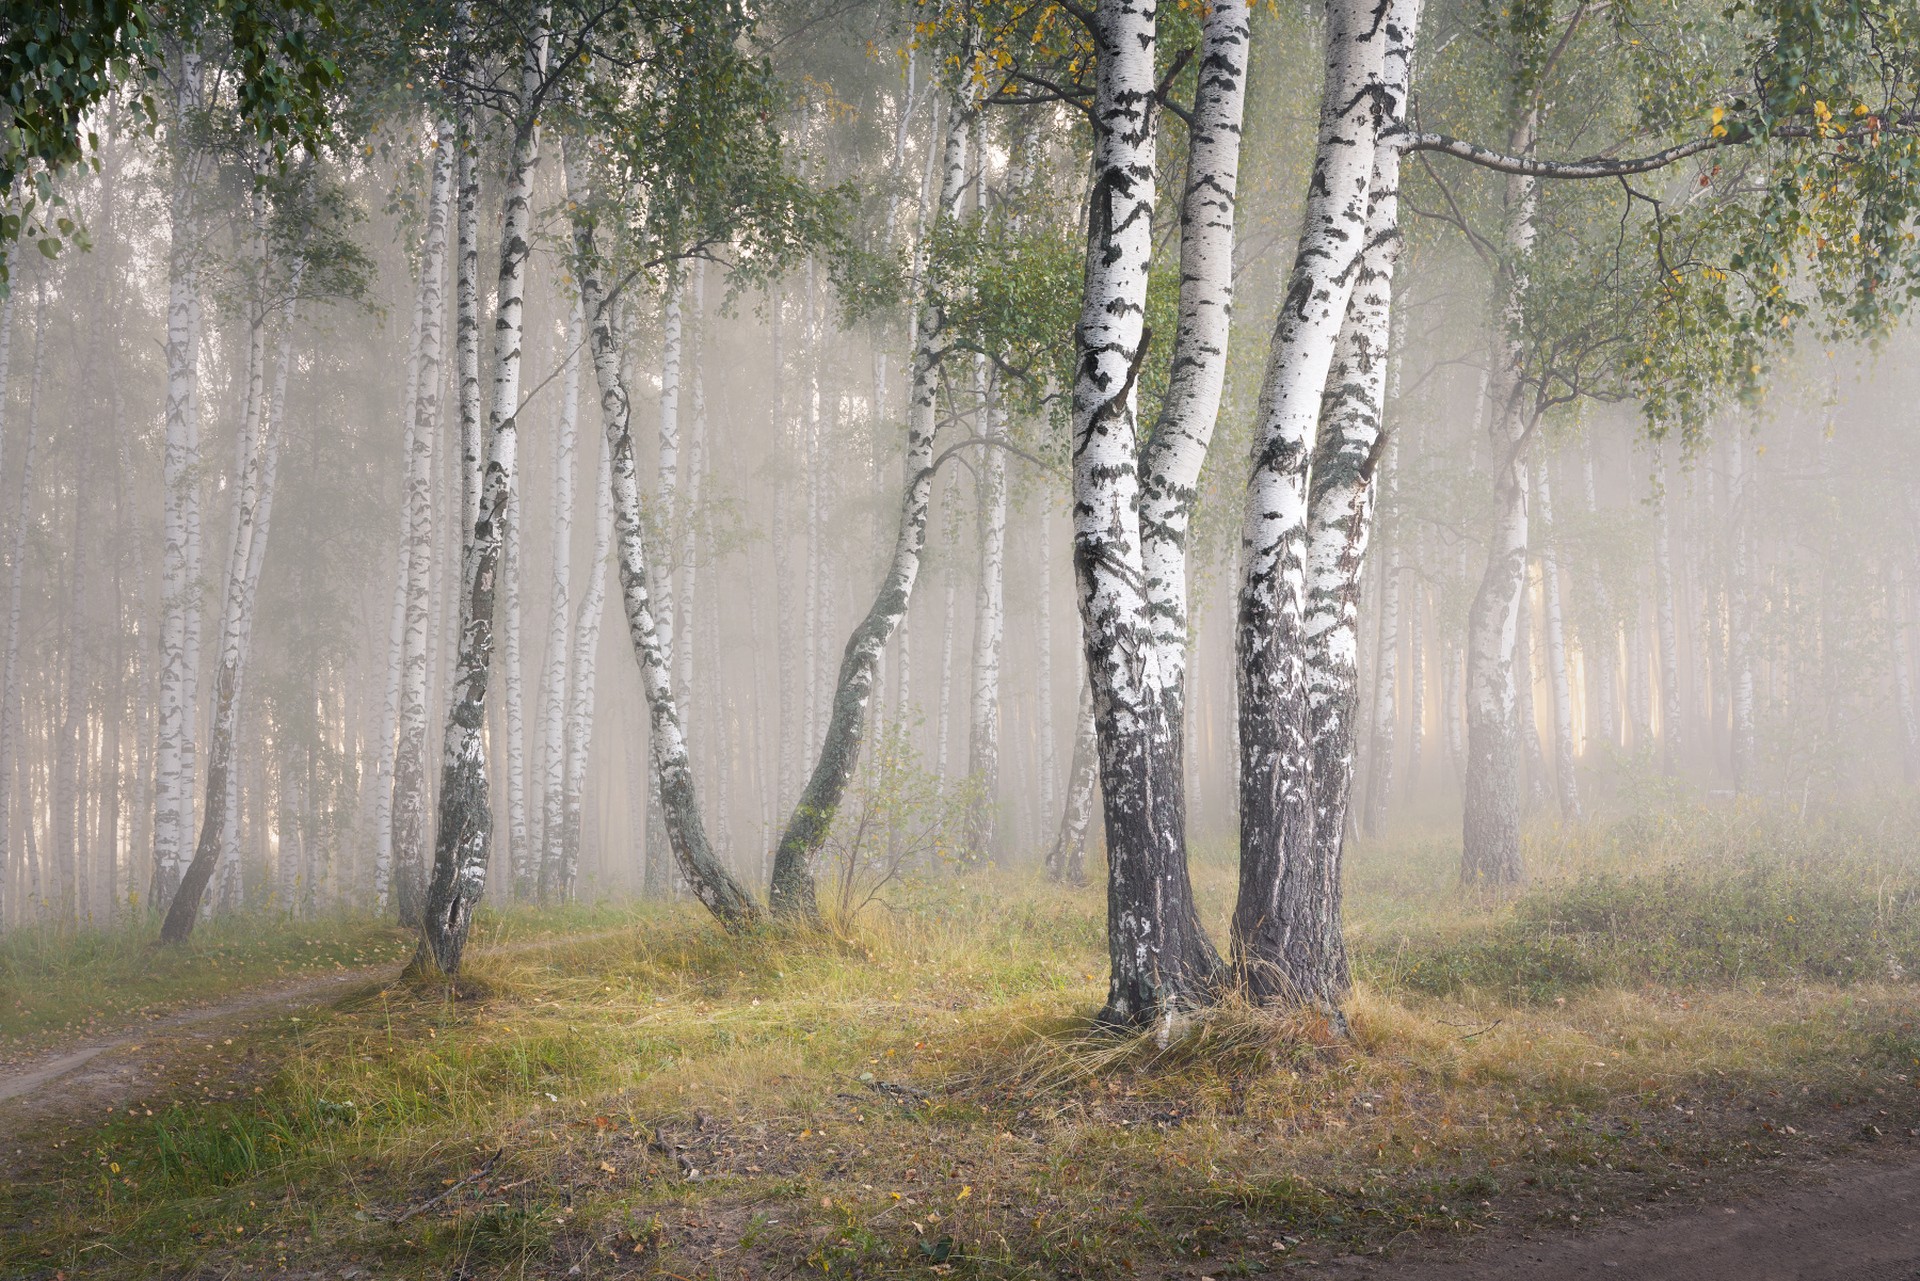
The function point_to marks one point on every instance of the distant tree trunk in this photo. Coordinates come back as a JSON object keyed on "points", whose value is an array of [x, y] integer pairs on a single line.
{"points": [[253, 496], [581, 683], [1386, 671], [1490, 827], [16, 571], [711, 883], [1525, 717], [1043, 666], [452, 146], [1067, 857], [1899, 627], [688, 525], [1601, 651], [949, 582], [546, 866], [983, 731], [1299, 589], [1566, 781], [1665, 596], [1740, 615], [174, 765], [68, 846], [791, 894], [1416, 608], [464, 835]]}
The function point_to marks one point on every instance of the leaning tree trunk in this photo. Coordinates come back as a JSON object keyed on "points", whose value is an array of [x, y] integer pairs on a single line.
{"points": [[1281, 913], [409, 807], [1161, 962], [715, 887], [1490, 823], [463, 840], [1298, 953], [791, 893], [254, 503]]}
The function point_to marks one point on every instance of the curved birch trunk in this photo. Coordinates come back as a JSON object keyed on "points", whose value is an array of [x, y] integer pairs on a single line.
{"points": [[715, 887], [1490, 821], [1284, 946], [791, 892], [463, 839], [453, 154], [254, 511]]}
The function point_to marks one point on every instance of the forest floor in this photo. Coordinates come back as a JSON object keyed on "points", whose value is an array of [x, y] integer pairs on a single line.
{"points": [[1684, 1016]]}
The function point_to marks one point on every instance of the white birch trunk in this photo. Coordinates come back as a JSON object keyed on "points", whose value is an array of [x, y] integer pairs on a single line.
{"points": [[253, 498], [983, 737], [1286, 942], [546, 865], [463, 839], [791, 893], [710, 882], [453, 165], [580, 687], [1566, 781]]}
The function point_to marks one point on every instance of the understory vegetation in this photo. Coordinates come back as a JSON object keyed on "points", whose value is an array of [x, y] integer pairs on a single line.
{"points": [[1677, 1002]]}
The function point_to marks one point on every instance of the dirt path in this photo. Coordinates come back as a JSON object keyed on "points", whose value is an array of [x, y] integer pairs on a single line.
{"points": [[1862, 1223]]}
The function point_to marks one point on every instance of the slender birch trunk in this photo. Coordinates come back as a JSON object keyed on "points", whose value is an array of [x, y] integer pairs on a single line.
{"points": [[1899, 625], [173, 800], [462, 842], [983, 730], [454, 166], [546, 865], [1386, 671], [791, 893], [1067, 856], [1043, 665], [729, 901], [254, 501], [586, 648], [1740, 615], [1297, 594], [1566, 781], [1526, 718], [513, 692], [1490, 824]]}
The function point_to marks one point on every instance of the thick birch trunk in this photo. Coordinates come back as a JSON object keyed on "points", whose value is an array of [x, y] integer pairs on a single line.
{"points": [[711, 883], [545, 865], [791, 893], [254, 503], [1566, 781], [454, 165], [1296, 640], [463, 838], [1162, 963]]}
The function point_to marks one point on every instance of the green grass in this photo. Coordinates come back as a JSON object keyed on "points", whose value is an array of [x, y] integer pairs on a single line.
{"points": [[55, 983], [1676, 1005]]}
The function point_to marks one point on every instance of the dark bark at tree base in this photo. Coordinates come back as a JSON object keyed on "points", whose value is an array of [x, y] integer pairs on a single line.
{"points": [[459, 865], [184, 911]]}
